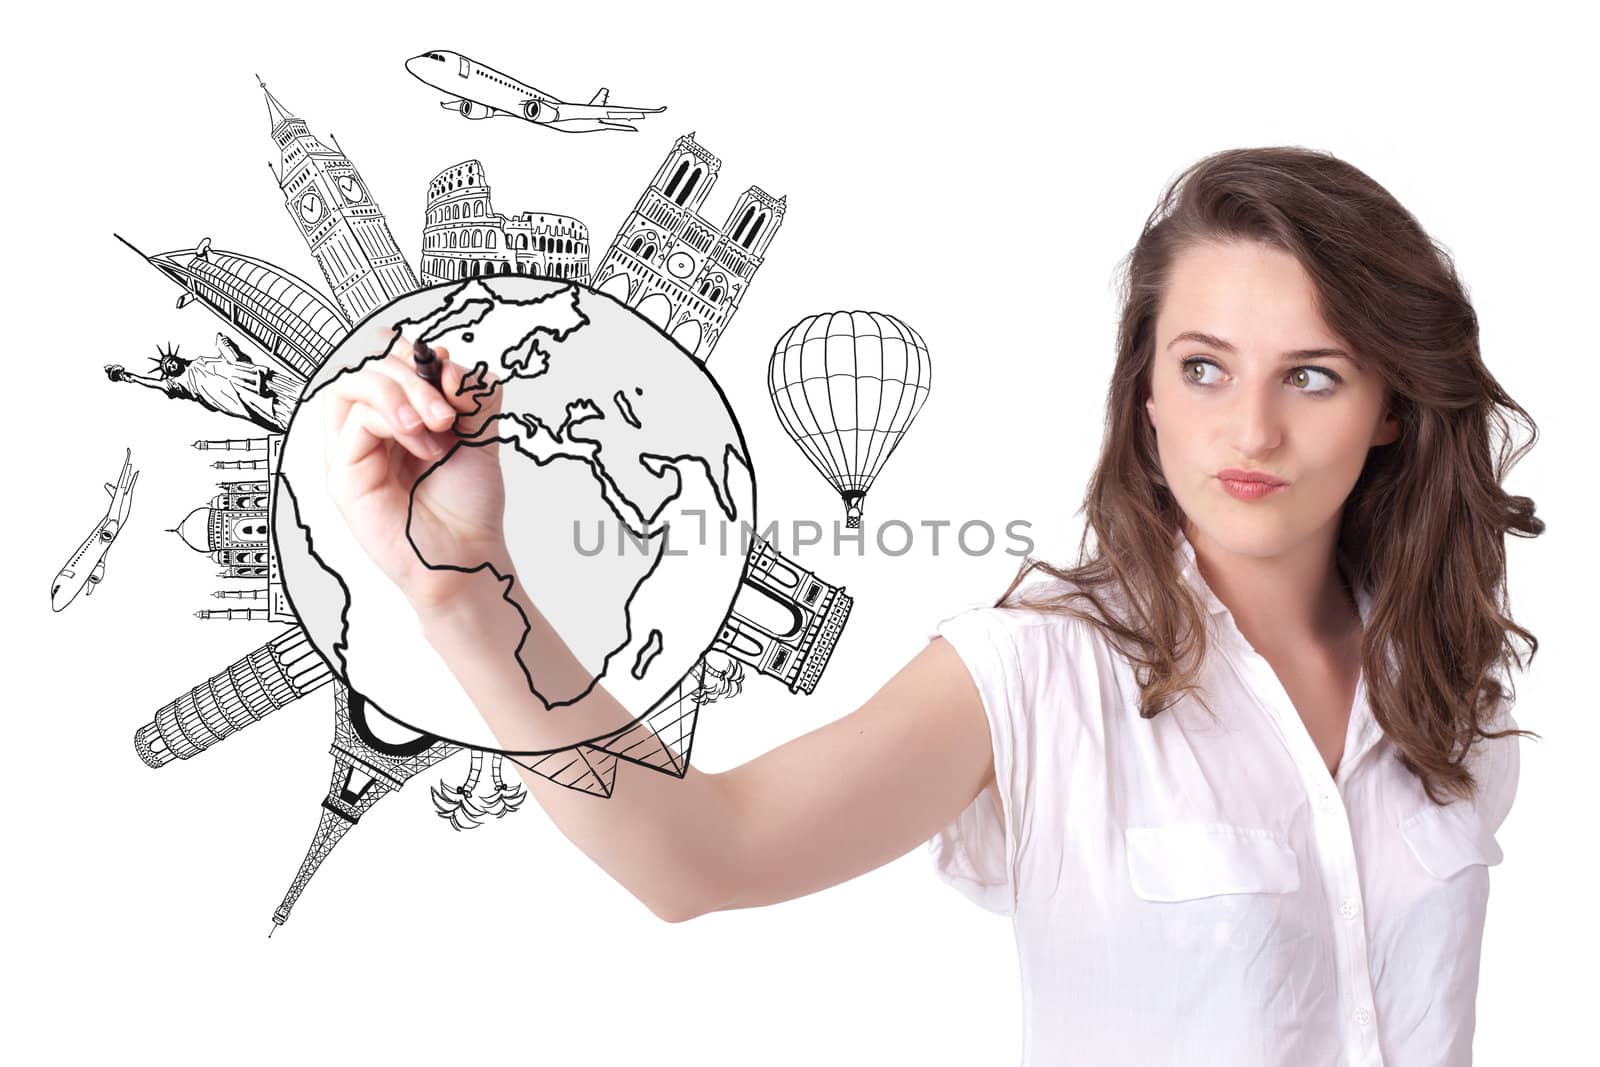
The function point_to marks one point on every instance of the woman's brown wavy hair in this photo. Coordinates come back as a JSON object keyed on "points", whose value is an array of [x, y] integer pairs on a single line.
{"points": [[1423, 530]]}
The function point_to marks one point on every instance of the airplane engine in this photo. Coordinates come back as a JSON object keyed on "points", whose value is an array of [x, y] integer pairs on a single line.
{"points": [[471, 109], [532, 110]]}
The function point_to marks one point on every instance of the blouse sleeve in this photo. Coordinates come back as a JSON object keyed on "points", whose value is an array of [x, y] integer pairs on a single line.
{"points": [[976, 853]]}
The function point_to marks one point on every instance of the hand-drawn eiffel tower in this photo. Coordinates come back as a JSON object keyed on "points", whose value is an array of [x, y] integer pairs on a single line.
{"points": [[366, 768]]}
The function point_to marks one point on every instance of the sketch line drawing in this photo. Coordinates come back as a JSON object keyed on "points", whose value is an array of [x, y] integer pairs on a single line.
{"points": [[463, 236], [662, 740], [779, 618], [235, 530], [229, 382], [503, 797], [335, 213], [813, 614], [846, 386], [457, 803], [506, 582], [275, 310], [464, 808], [86, 568], [254, 686], [478, 91], [677, 269], [368, 765], [583, 767]]}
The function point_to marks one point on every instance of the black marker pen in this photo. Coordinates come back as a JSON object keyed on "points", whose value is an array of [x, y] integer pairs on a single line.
{"points": [[429, 367]]}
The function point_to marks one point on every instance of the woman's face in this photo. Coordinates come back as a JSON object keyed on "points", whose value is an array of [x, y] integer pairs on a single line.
{"points": [[1237, 382]]}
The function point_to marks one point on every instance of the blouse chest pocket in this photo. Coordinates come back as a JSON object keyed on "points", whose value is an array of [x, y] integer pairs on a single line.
{"points": [[1187, 861], [1448, 839]]}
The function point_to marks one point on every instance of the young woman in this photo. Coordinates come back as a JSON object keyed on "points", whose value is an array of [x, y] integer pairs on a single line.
{"points": [[1236, 776]]}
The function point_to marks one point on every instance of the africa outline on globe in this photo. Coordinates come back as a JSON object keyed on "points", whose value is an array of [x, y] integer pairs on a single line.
{"points": [[610, 426]]}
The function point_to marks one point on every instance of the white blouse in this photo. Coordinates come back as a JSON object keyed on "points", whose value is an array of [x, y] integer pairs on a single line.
{"points": [[1190, 892]]}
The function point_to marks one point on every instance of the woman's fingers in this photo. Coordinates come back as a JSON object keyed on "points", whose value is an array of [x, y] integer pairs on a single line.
{"points": [[472, 401], [459, 407], [358, 459], [427, 402], [388, 400], [377, 391]]}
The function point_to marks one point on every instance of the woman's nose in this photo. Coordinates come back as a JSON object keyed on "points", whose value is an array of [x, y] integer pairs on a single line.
{"points": [[1255, 419]]}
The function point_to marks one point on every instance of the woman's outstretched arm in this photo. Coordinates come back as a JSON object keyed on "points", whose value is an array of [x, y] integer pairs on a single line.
{"points": [[821, 809], [818, 810]]}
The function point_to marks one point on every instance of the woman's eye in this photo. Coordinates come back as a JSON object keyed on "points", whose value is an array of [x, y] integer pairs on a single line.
{"points": [[1300, 374], [1194, 373], [1189, 367]]}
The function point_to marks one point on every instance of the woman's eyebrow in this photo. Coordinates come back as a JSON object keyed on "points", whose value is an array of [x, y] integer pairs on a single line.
{"points": [[1299, 353]]}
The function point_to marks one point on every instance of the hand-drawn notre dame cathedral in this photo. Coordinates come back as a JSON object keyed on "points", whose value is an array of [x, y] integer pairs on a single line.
{"points": [[675, 268]]}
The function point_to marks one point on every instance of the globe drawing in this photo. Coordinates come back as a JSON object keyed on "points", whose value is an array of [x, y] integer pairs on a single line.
{"points": [[628, 485]]}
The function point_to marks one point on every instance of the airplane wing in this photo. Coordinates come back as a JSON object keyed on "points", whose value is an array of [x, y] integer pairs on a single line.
{"points": [[597, 111], [608, 112]]}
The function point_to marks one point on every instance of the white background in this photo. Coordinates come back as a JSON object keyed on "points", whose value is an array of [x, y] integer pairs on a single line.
{"points": [[976, 170]]}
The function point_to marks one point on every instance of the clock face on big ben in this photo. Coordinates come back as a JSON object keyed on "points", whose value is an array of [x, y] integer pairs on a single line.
{"points": [[311, 206], [350, 189]]}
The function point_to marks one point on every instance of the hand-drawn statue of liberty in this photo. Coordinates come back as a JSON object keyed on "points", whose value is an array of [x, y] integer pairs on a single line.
{"points": [[229, 382]]}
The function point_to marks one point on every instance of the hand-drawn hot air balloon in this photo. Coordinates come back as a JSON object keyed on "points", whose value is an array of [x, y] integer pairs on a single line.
{"points": [[846, 385]]}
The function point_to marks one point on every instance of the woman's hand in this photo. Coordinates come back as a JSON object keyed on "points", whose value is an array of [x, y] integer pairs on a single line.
{"points": [[386, 429]]}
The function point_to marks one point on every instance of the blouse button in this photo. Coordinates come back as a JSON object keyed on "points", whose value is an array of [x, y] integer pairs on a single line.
{"points": [[1347, 908], [1363, 1016]]}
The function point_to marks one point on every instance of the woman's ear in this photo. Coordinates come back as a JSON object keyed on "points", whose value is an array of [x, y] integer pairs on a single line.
{"points": [[1388, 430], [1150, 410]]}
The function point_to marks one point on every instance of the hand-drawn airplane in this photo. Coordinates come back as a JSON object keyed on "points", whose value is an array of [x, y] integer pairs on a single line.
{"points": [[87, 567], [482, 92]]}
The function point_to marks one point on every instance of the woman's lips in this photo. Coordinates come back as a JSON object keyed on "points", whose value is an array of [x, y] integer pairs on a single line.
{"points": [[1249, 485], [1240, 474]]}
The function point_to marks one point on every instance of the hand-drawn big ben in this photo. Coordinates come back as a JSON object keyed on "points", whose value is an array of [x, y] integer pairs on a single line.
{"points": [[336, 215]]}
